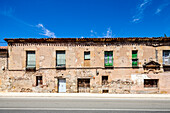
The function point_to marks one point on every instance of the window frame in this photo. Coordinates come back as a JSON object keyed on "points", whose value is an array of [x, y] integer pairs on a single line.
{"points": [[105, 80], [3, 53], [86, 54], [135, 58], [62, 65], [27, 66], [135, 54], [151, 85], [108, 58], [166, 57], [37, 81]]}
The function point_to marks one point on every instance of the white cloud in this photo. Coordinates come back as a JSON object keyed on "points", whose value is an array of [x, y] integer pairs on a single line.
{"points": [[109, 33], [160, 8], [158, 11], [9, 13], [140, 10], [40, 25], [136, 19], [93, 33], [45, 31], [144, 3]]}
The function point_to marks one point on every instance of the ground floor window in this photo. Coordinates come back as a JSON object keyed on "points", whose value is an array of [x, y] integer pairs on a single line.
{"points": [[84, 85], [105, 91], [39, 80], [104, 80], [150, 83]]}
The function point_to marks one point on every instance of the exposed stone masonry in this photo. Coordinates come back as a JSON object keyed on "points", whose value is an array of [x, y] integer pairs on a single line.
{"points": [[122, 78]]}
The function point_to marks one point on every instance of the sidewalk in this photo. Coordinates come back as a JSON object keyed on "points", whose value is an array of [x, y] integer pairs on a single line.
{"points": [[84, 95]]}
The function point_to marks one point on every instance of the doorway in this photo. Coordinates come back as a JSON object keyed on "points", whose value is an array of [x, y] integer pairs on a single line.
{"points": [[62, 85]]}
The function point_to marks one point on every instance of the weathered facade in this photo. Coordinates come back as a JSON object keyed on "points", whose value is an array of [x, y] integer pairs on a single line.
{"points": [[87, 65]]}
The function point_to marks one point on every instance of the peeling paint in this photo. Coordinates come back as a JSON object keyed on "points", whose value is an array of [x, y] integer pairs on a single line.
{"points": [[139, 78]]}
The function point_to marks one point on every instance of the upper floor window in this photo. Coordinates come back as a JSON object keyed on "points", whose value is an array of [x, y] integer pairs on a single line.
{"points": [[31, 60], [166, 57], [87, 55], [134, 54], [108, 58], [87, 58], [60, 59], [3, 53], [134, 58]]}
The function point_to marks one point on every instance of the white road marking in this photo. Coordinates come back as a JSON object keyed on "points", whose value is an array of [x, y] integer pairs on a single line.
{"points": [[84, 109]]}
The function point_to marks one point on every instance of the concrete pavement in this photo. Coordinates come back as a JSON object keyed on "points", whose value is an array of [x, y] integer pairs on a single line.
{"points": [[89, 95]]}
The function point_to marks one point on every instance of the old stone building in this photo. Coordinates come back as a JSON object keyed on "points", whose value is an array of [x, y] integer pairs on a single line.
{"points": [[86, 65], [3, 65]]}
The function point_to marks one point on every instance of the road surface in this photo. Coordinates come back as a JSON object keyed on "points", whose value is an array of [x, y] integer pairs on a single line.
{"points": [[82, 105]]}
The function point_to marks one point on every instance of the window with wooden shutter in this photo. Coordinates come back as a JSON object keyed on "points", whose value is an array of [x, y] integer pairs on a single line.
{"points": [[134, 63], [134, 54], [108, 58], [31, 59], [166, 57], [61, 60], [134, 58]]}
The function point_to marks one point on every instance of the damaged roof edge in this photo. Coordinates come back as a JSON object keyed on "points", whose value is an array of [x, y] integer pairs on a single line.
{"points": [[3, 47], [130, 39]]}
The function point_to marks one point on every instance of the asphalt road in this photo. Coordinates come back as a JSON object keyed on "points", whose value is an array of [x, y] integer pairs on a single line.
{"points": [[82, 105]]}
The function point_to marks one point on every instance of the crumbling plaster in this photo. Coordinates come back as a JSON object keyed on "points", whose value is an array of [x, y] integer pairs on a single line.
{"points": [[122, 78]]}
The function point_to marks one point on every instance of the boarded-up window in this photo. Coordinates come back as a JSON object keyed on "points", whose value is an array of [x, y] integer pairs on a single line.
{"points": [[61, 61], [108, 58], [87, 55], [39, 80], [150, 83], [31, 59]]}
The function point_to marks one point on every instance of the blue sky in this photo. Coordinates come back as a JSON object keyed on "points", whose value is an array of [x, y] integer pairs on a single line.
{"points": [[84, 18]]}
